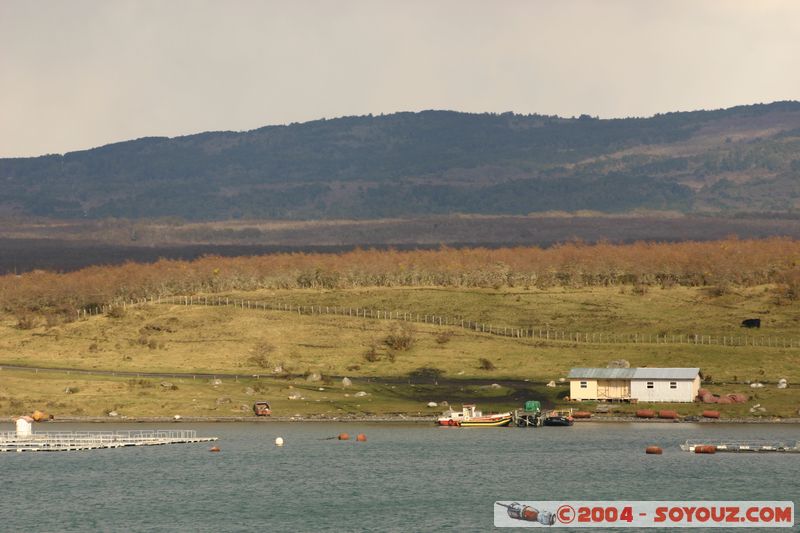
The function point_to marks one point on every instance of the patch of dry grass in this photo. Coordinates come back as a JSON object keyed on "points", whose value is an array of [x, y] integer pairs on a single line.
{"points": [[175, 338]]}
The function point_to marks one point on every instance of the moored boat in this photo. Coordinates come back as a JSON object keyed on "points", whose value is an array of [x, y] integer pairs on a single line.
{"points": [[262, 408], [558, 418], [469, 416], [450, 418], [495, 420]]}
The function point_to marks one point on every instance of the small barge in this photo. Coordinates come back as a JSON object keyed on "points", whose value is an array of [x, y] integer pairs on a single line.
{"points": [[739, 447]]}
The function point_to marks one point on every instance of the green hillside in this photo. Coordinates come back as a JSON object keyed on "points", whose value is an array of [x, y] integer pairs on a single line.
{"points": [[433, 162]]}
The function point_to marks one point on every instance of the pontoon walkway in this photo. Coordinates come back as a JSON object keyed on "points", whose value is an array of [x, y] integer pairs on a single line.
{"points": [[93, 440]]}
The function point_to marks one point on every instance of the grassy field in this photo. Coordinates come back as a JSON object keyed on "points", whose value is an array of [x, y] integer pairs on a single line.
{"points": [[441, 364]]}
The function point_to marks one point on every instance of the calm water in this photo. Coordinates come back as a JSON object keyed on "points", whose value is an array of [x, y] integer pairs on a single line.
{"points": [[405, 478]]}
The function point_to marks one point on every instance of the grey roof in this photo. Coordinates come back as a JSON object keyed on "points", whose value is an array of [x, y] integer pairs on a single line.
{"points": [[602, 373], [633, 373], [666, 373]]}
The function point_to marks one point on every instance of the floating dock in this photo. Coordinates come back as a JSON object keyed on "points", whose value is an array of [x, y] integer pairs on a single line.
{"points": [[94, 440], [740, 447]]}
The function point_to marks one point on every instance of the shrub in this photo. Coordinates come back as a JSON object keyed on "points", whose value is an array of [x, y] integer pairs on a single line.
{"points": [[401, 337], [116, 312], [52, 319], [15, 404], [789, 287], [26, 321], [259, 360], [639, 289], [371, 354], [426, 373], [263, 348], [715, 291], [485, 364], [443, 337]]}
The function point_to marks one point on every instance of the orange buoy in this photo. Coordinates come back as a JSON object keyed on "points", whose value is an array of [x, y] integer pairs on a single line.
{"points": [[214, 449], [645, 413], [711, 414], [581, 414], [653, 450], [667, 414], [361, 437], [705, 449], [343, 436]]}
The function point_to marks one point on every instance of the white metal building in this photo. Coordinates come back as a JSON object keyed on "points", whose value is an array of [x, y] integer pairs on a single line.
{"points": [[634, 384], [665, 384]]}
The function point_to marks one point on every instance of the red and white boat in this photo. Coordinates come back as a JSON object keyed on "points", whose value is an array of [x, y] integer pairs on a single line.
{"points": [[469, 416]]}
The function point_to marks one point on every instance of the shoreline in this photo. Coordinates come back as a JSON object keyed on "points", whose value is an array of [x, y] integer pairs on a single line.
{"points": [[378, 419]]}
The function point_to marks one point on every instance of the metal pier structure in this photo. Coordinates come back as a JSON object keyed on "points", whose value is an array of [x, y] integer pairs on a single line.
{"points": [[526, 419], [94, 440], [750, 446]]}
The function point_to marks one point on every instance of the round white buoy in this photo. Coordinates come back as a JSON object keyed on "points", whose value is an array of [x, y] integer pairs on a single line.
{"points": [[279, 441]]}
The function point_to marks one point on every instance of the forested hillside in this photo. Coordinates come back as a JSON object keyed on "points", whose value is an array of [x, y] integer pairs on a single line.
{"points": [[433, 162]]}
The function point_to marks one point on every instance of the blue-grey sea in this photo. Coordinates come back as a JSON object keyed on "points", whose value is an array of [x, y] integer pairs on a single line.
{"points": [[406, 477]]}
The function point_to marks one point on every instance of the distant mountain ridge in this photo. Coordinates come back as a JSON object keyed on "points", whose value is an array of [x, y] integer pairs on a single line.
{"points": [[744, 158]]}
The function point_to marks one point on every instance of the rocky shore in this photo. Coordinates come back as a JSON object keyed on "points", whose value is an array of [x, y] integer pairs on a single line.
{"points": [[392, 419]]}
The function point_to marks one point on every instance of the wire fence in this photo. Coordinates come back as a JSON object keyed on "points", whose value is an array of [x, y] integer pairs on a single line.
{"points": [[540, 333]]}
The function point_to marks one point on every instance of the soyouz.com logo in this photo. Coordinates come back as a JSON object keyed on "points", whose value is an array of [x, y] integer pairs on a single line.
{"points": [[639, 514]]}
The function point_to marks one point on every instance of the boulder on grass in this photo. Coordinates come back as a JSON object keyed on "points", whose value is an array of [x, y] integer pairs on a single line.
{"points": [[738, 397]]}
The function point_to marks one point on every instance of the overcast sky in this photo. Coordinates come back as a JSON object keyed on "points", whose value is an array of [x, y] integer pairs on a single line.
{"points": [[78, 74]]}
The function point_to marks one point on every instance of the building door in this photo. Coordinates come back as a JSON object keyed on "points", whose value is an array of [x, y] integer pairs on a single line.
{"points": [[613, 389]]}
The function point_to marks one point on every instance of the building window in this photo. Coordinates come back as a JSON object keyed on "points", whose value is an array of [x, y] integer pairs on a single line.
{"points": [[649, 384], [673, 384], [584, 384]]}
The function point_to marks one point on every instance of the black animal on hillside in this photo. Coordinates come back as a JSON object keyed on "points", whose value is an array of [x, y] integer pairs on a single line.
{"points": [[751, 323]]}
